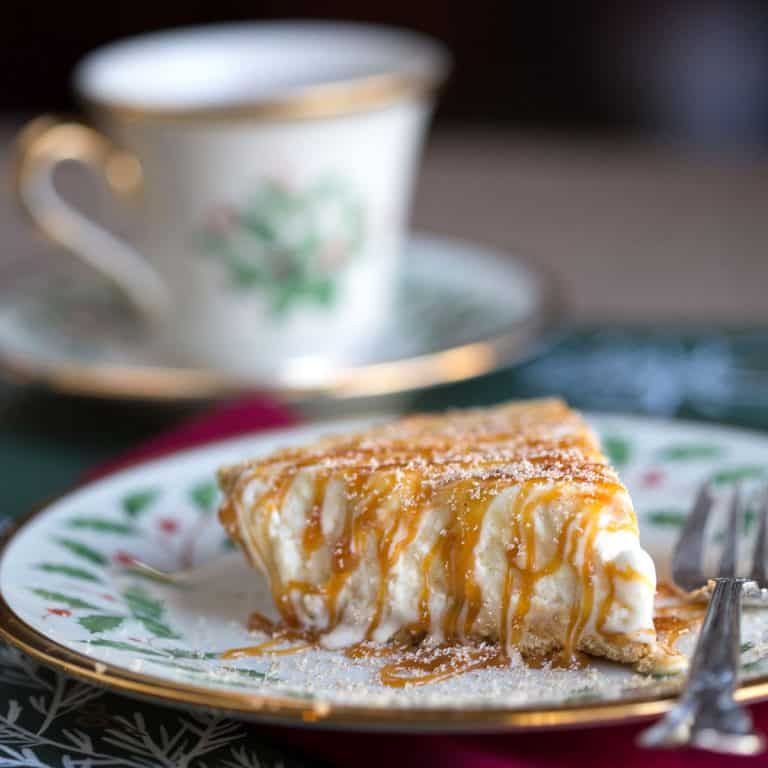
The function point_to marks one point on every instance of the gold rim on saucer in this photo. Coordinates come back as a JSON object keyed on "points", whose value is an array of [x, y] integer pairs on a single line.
{"points": [[321, 713], [509, 345], [379, 379]]}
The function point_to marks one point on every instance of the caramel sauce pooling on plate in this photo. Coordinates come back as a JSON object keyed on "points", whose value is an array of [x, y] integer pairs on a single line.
{"points": [[275, 644], [416, 666], [675, 616]]}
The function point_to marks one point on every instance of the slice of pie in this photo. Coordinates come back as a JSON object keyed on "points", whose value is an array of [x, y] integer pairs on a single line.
{"points": [[504, 524]]}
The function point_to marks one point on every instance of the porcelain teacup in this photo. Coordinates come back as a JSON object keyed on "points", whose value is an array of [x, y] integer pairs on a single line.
{"points": [[270, 168]]}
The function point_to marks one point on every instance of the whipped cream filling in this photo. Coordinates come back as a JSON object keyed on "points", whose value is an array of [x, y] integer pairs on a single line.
{"points": [[603, 569]]}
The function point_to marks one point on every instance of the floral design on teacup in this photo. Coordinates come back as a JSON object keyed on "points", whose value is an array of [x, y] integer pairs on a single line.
{"points": [[291, 244]]}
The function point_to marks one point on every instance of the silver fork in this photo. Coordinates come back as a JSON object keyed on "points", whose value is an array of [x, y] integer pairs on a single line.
{"points": [[706, 715]]}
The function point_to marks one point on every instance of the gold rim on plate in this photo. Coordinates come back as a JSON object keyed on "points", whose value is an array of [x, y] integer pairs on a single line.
{"points": [[286, 711]]}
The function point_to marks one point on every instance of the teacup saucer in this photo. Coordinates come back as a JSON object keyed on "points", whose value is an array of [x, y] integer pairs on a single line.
{"points": [[461, 310]]}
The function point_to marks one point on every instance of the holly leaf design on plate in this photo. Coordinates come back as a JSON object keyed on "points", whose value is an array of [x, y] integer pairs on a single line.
{"points": [[691, 451], [102, 525], [141, 604], [735, 474], [617, 449], [583, 694], [254, 673], [82, 550], [751, 666], [158, 629], [207, 674], [136, 503], [162, 653], [100, 623], [204, 495], [665, 675], [69, 570], [60, 597], [670, 517], [119, 645], [750, 515], [183, 653], [149, 611]]}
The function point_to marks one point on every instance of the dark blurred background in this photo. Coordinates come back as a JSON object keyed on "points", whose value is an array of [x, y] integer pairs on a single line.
{"points": [[621, 146], [694, 72]]}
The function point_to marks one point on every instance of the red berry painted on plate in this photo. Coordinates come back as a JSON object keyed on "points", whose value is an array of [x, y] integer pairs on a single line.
{"points": [[124, 558], [60, 611], [653, 478], [168, 525]]}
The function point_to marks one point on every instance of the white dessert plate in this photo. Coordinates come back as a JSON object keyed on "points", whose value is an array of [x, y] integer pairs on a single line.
{"points": [[69, 597], [461, 310]]}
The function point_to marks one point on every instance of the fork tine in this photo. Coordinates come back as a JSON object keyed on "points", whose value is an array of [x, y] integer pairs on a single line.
{"points": [[688, 555], [730, 551], [758, 573]]}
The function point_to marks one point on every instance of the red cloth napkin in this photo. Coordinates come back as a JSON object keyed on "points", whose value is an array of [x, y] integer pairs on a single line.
{"points": [[606, 747]]}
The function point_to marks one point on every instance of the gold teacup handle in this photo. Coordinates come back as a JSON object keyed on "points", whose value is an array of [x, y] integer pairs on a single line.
{"points": [[41, 146]]}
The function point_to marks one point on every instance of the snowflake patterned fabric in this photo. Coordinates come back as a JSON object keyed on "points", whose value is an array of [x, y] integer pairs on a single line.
{"points": [[48, 720]]}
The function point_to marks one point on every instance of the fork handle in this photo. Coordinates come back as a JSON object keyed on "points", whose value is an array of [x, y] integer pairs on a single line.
{"points": [[706, 716]]}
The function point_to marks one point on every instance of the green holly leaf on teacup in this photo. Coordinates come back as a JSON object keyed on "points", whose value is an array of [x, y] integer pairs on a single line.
{"points": [[289, 244]]}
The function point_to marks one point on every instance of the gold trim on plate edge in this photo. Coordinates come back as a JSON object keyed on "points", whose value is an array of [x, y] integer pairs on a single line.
{"points": [[288, 711]]}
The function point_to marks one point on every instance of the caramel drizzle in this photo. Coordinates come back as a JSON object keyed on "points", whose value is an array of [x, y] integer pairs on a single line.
{"points": [[461, 471], [675, 618], [268, 647], [313, 531], [274, 645], [441, 663]]}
